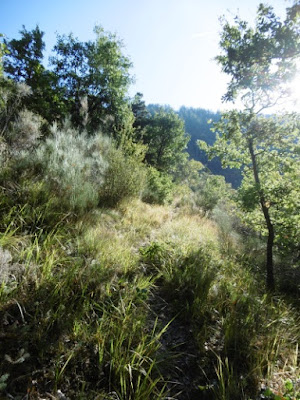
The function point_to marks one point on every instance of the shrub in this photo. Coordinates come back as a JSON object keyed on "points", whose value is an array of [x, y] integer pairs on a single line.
{"points": [[19, 129], [210, 191], [11, 96], [123, 179], [159, 188], [25, 131], [9, 271], [74, 164]]}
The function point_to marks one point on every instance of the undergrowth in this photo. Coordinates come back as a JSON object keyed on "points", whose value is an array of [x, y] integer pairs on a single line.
{"points": [[78, 309]]}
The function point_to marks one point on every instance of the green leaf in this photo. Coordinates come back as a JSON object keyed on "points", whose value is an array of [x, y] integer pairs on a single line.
{"points": [[289, 386], [268, 392]]}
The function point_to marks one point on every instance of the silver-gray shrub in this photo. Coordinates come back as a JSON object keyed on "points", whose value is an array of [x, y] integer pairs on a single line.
{"points": [[73, 164], [19, 129], [20, 138], [10, 271], [11, 95], [25, 131]]}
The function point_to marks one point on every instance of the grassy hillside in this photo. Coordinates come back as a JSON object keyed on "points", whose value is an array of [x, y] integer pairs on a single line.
{"points": [[142, 302], [126, 272]]}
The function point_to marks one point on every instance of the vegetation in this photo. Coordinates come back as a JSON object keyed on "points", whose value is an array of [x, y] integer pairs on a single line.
{"points": [[260, 61], [127, 270], [197, 124]]}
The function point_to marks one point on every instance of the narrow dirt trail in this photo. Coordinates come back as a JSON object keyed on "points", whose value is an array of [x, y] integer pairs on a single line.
{"points": [[178, 350], [182, 363]]}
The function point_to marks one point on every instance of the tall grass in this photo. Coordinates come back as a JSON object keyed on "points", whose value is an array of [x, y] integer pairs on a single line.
{"points": [[83, 318], [80, 315]]}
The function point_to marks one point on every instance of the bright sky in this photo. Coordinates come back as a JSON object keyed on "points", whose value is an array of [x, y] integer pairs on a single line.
{"points": [[171, 43]]}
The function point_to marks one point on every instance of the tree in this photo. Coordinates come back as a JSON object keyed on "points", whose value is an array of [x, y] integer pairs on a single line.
{"points": [[71, 69], [23, 64], [97, 71], [25, 55], [3, 51], [260, 61], [165, 137], [111, 68], [87, 80], [140, 112]]}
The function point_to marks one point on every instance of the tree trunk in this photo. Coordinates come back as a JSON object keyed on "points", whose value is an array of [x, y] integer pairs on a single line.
{"points": [[270, 282], [270, 273]]}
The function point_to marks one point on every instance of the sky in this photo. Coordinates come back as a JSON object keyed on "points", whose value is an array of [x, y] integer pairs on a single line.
{"points": [[171, 43]]}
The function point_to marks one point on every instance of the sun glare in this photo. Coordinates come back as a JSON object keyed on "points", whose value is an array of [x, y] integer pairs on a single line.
{"points": [[295, 93]]}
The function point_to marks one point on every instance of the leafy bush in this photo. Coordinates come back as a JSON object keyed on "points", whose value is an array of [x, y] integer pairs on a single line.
{"points": [[159, 188], [124, 178], [290, 393], [210, 190]]}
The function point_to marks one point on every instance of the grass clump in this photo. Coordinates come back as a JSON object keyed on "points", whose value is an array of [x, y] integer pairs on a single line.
{"points": [[80, 316], [185, 279]]}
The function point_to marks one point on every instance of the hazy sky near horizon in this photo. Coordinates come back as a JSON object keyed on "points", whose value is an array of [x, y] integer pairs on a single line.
{"points": [[171, 43]]}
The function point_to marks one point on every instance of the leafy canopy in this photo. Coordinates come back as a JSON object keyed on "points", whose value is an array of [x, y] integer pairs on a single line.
{"points": [[165, 136], [96, 70], [87, 80], [260, 60]]}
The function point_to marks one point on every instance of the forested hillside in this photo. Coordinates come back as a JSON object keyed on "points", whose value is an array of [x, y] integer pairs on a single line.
{"points": [[198, 123], [132, 267]]}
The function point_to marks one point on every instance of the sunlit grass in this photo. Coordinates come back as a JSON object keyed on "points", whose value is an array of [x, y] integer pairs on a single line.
{"points": [[188, 231], [82, 308]]}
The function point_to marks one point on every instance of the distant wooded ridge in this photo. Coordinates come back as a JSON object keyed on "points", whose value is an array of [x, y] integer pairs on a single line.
{"points": [[197, 126]]}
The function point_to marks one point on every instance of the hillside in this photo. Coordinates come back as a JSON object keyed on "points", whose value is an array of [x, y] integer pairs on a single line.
{"points": [[128, 270], [198, 127], [142, 302]]}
